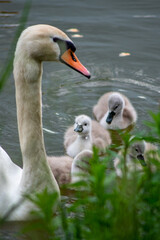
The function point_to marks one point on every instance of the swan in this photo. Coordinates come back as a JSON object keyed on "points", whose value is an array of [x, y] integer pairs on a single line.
{"points": [[114, 111], [36, 44], [80, 165], [137, 157], [84, 134]]}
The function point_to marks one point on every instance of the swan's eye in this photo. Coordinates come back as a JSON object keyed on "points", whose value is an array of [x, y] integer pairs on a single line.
{"points": [[73, 58], [85, 124], [55, 39], [71, 46], [64, 45], [136, 149], [116, 107]]}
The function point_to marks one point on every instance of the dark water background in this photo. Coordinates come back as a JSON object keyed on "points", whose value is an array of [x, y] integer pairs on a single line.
{"points": [[108, 28]]}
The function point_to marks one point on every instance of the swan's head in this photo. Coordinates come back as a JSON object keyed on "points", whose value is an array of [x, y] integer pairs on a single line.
{"points": [[137, 151], [82, 125], [47, 43], [115, 106]]}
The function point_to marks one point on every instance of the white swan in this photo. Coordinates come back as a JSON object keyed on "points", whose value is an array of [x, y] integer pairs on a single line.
{"points": [[114, 111], [36, 44], [84, 134], [137, 157]]}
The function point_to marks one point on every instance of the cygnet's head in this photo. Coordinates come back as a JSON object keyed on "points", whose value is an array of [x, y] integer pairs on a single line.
{"points": [[47, 43], [115, 106], [137, 151], [82, 125]]}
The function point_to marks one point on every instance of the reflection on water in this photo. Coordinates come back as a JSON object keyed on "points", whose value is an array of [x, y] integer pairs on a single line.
{"points": [[7, 13], [145, 16], [108, 29], [8, 25]]}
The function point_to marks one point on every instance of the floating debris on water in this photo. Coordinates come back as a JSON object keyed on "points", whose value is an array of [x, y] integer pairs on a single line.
{"points": [[7, 13], [49, 131], [142, 97], [73, 30], [124, 54], [77, 36]]}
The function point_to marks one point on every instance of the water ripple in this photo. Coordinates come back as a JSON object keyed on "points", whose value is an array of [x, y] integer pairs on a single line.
{"points": [[123, 80], [8, 25], [145, 16]]}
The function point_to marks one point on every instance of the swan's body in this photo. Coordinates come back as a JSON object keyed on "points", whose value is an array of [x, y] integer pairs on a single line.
{"points": [[36, 44], [10, 176], [80, 165], [84, 134], [137, 157], [11, 173], [114, 111], [61, 168]]}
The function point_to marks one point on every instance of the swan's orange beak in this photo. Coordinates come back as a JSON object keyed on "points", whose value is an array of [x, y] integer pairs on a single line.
{"points": [[70, 59]]}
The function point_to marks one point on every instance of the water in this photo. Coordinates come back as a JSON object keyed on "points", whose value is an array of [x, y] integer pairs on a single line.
{"points": [[108, 28]]}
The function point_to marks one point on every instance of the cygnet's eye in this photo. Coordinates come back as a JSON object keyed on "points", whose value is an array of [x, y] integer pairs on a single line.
{"points": [[85, 124], [136, 149], [115, 107]]}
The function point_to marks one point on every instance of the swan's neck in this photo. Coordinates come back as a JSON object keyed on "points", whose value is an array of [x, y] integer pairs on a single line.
{"points": [[28, 100], [36, 172]]}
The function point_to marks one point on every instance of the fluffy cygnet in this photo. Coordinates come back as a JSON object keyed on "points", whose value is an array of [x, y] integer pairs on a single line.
{"points": [[114, 111], [137, 157], [61, 168], [84, 134]]}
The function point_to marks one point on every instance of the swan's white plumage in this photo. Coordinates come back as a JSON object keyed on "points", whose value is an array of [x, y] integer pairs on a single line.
{"points": [[125, 113], [36, 44], [10, 176]]}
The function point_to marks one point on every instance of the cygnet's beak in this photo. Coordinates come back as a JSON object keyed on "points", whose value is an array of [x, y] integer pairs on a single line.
{"points": [[79, 128], [70, 59], [142, 160], [110, 117]]}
